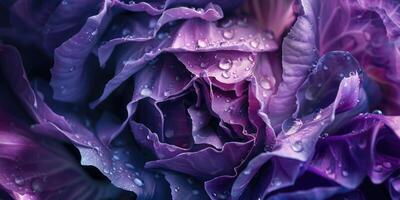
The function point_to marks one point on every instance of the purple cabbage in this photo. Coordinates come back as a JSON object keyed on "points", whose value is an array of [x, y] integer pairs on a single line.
{"points": [[178, 99]]}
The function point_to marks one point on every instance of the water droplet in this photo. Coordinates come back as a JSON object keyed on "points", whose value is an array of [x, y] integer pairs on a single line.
{"points": [[242, 21], [176, 189], [138, 182], [387, 165], [378, 168], [268, 148], [367, 35], [318, 115], [148, 137], [64, 2], [169, 133], [345, 173], [19, 180], [378, 112], [203, 74], [222, 196], [195, 192], [325, 67], [167, 93], [200, 10], [125, 32], [309, 94], [269, 35], [291, 126], [324, 135], [203, 65], [201, 43], [266, 84], [225, 64], [225, 74], [328, 171], [247, 68], [362, 143], [254, 44], [228, 34], [145, 92], [225, 23], [94, 33], [130, 166], [246, 172], [162, 35], [297, 146], [152, 23], [37, 186], [250, 58], [276, 182], [71, 69], [115, 157]]}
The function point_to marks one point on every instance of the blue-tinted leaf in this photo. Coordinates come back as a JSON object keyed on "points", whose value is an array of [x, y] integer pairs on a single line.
{"points": [[296, 145]]}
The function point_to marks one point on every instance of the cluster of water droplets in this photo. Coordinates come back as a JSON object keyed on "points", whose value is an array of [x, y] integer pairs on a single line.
{"points": [[330, 171], [381, 167], [228, 66], [36, 184], [230, 37]]}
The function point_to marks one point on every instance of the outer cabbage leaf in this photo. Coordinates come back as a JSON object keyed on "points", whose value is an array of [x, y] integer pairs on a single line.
{"points": [[368, 35], [162, 80], [122, 164], [298, 56], [70, 67], [194, 35], [361, 32], [32, 15], [70, 74], [66, 20], [36, 168], [297, 145], [321, 86], [149, 27], [338, 156], [220, 162]]}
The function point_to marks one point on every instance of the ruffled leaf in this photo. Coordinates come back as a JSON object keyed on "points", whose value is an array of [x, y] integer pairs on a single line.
{"points": [[297, 145], [124, 171]]}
